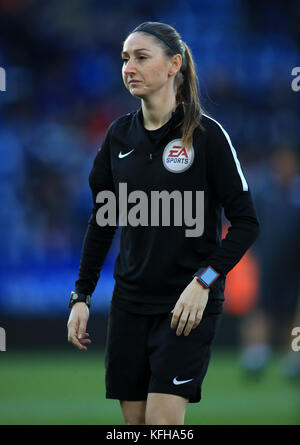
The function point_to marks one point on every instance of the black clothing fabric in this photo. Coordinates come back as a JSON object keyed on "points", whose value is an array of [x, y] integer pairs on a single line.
{"points": [[156, 263], [144, 355]]}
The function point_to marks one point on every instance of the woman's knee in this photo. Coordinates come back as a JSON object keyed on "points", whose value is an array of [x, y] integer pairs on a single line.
{"points": [[165, 409], [133, 412]]}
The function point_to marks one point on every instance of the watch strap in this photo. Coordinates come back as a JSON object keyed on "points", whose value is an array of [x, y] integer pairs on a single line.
{"points": [[207, 277], [76, 297]]}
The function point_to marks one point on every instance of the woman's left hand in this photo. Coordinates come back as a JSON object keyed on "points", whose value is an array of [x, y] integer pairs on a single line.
{"points": [[189, 308]]}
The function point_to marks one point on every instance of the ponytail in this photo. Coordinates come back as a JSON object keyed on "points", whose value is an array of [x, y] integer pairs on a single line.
{"points": [[187, 94]]}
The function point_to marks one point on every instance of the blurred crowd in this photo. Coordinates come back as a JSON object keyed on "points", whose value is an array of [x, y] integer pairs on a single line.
{"points": [[64, 87]]}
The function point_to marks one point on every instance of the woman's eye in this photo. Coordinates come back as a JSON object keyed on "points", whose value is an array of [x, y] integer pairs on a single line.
{"points": [[140, 58]]}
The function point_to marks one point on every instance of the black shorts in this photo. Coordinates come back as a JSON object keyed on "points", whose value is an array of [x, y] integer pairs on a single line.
{"points": [[144, 355]]}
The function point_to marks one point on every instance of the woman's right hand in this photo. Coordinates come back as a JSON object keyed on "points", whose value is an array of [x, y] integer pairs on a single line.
{"points": [[77, 326]]}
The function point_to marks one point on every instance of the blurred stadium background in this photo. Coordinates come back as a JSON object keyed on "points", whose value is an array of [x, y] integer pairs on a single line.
{"points": [[63, 89]]}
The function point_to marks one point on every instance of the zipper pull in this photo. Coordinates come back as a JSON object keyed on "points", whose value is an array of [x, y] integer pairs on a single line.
{"points": [[150, 156]]}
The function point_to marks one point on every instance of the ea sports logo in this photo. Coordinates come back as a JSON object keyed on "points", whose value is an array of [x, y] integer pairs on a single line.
{"points": [[176, 158]]}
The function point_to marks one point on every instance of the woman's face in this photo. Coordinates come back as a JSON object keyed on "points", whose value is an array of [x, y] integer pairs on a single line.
{"points": [[145, 68]]}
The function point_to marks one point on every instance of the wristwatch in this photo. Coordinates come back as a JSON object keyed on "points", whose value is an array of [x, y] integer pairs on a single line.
{"points": [[207, 277], [76, 298]]}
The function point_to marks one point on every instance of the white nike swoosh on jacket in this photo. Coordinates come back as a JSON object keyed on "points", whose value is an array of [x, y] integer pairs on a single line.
{"points": [[125, 154]]}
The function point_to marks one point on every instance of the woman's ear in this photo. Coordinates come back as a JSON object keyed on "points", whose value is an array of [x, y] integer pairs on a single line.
{"points": [[176, 63]]}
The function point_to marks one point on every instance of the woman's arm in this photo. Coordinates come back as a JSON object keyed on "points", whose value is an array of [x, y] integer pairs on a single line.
{"points": [[97, 239], [232, 192], [96, 243]]}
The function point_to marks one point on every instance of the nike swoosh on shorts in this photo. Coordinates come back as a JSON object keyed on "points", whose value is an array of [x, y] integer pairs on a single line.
{"points": [[180, 382], [125, 154]]}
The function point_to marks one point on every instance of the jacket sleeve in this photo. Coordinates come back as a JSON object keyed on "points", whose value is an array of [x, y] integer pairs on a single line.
{"points": [[232, 192], [97, 239]]}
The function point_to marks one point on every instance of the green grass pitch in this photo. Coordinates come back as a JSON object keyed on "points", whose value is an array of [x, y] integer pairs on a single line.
{"points": [[67, 388]]}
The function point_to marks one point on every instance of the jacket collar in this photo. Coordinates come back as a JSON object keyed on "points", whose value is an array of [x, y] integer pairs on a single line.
{"points": [[176, 118], [139, 136]]}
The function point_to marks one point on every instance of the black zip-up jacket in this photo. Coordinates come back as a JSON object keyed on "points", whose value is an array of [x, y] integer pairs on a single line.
{"points": [[156, 263]]}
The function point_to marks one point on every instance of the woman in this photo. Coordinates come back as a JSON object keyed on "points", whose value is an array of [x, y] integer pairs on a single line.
{"points": [[167, 300]]}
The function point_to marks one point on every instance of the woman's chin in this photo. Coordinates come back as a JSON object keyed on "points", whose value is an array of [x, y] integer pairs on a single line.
{"points": [[138, 94]]}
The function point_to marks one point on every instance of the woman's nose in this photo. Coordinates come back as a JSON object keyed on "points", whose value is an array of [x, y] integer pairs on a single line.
{"points": [[130, 67]]}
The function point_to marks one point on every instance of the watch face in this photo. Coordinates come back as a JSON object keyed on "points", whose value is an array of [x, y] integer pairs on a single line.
{"points": [[209, 276]]}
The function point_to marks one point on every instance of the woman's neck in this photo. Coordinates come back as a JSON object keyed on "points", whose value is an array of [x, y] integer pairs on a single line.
{"points": [[158, 111]]}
